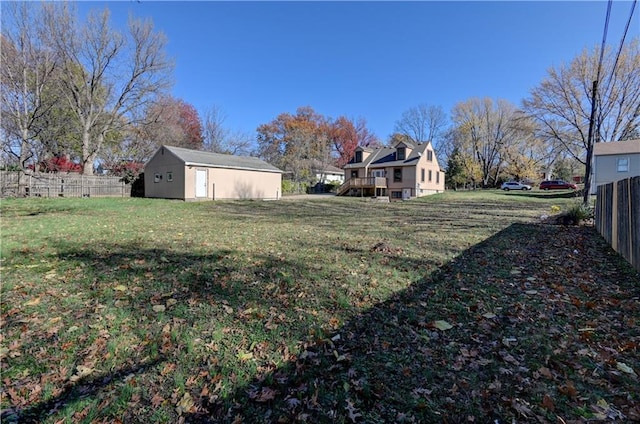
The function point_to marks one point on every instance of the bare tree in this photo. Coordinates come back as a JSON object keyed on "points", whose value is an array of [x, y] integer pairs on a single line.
{"points": [[422, 123], [561, 104], [28, 69], [220, 139], [483, 130], [107, 75]]}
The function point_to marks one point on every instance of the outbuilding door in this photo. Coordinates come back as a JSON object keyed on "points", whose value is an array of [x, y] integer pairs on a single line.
{"points": [[201, 183]]}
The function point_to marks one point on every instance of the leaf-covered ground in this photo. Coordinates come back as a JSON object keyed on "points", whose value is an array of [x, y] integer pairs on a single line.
{"points": [[456, 308]]}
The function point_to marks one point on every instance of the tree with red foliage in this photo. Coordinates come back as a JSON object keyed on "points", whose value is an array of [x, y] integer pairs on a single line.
{"points": [[174, 122], [346, 135], [342, 135], [60, 163], [129, 170], [191, 125]]}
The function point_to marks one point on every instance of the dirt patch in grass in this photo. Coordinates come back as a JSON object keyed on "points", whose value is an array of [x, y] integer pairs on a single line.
{"points": [[452, 309]]}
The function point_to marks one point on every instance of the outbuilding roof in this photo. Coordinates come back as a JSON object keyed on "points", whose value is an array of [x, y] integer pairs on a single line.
{"points": [[218, 160]]}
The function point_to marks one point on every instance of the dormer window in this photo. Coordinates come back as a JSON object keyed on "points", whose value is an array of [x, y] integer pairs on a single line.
{"points": [[401, 153], [358, 156]]}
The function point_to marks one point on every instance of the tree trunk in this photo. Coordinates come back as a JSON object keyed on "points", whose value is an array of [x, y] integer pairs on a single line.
{"points": [[88, 154], [25, 155]]}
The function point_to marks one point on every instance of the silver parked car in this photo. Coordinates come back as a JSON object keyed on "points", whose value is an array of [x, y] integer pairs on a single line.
{"points": [[514, 185]]}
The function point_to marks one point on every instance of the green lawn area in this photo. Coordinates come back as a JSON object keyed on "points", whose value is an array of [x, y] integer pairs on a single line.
{"points": [[460, 307]]}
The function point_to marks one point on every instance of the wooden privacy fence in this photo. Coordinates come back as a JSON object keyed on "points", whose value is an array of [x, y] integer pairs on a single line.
{"points": [[61, 185], [618, 217]]}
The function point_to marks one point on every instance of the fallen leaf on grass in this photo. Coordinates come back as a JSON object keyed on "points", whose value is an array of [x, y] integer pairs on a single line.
{"points": [[185, 404], [545, 372], [625, 368], [442, 325], [82, 371], [604, 411], [522, 407], [353, 412], [568, 390], [547, 403], [157, 400], [245, 356], [266, 394], [32, 302], [159, 308], [120, 287]]}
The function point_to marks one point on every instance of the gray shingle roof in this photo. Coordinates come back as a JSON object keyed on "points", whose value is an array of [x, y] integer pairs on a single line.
{"points": [[616, 147], [218, 160], [386, 156]]}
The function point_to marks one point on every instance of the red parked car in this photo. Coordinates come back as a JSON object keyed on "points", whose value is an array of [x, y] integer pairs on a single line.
{"points": [[557, 185]]}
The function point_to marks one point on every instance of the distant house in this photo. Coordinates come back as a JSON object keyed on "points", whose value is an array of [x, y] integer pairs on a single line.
{"points": [[327, 173], [403, 171], [177, 173], [615, 160]]}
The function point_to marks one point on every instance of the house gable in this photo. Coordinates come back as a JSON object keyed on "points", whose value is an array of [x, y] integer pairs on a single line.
{"points": [[360, 155]]}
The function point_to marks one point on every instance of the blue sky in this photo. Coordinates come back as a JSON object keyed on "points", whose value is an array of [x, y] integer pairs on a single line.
{"points": [[255, 60]]}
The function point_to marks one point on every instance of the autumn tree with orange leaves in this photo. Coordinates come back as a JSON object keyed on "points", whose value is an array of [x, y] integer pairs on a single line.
{"points": [[297, 143]]}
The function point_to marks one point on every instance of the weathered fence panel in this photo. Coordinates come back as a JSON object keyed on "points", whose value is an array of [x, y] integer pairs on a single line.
{"points": [[618, 217], [61, 185]]}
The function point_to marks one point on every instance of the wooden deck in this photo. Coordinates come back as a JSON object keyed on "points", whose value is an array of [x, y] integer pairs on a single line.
{"points": [[362, 183]]}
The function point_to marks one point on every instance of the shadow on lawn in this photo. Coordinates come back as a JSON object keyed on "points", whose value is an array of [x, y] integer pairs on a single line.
{"points": [[398, 362], [392, 362], [80, 389]]}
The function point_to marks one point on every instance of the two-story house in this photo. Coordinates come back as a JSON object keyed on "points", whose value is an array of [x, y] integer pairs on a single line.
{"points": [[403, 171]]}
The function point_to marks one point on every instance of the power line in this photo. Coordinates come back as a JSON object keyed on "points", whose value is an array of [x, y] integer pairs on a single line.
{"points": [[604, 39], [624, 35], [594, 98]]}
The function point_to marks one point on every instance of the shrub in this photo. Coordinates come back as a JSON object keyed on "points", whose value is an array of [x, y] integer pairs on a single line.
{"points": [[59, 164], [287, 186], [128, 170], [579, 212]]}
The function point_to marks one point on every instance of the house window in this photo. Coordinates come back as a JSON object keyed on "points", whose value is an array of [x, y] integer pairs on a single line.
{"points": [[354, 173], [169, 176], [437, 178], [397, 175], [430, 155], [358, 156], [429, 175], [623, 164], [396, 195], [157, 178], [401, 153], [422, 175]]}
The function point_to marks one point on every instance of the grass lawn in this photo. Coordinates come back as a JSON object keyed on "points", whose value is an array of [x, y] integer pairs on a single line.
{"points": [[459, 307]]}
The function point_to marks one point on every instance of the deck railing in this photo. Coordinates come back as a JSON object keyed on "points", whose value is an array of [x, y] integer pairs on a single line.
{"points": [[366, 182]]}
